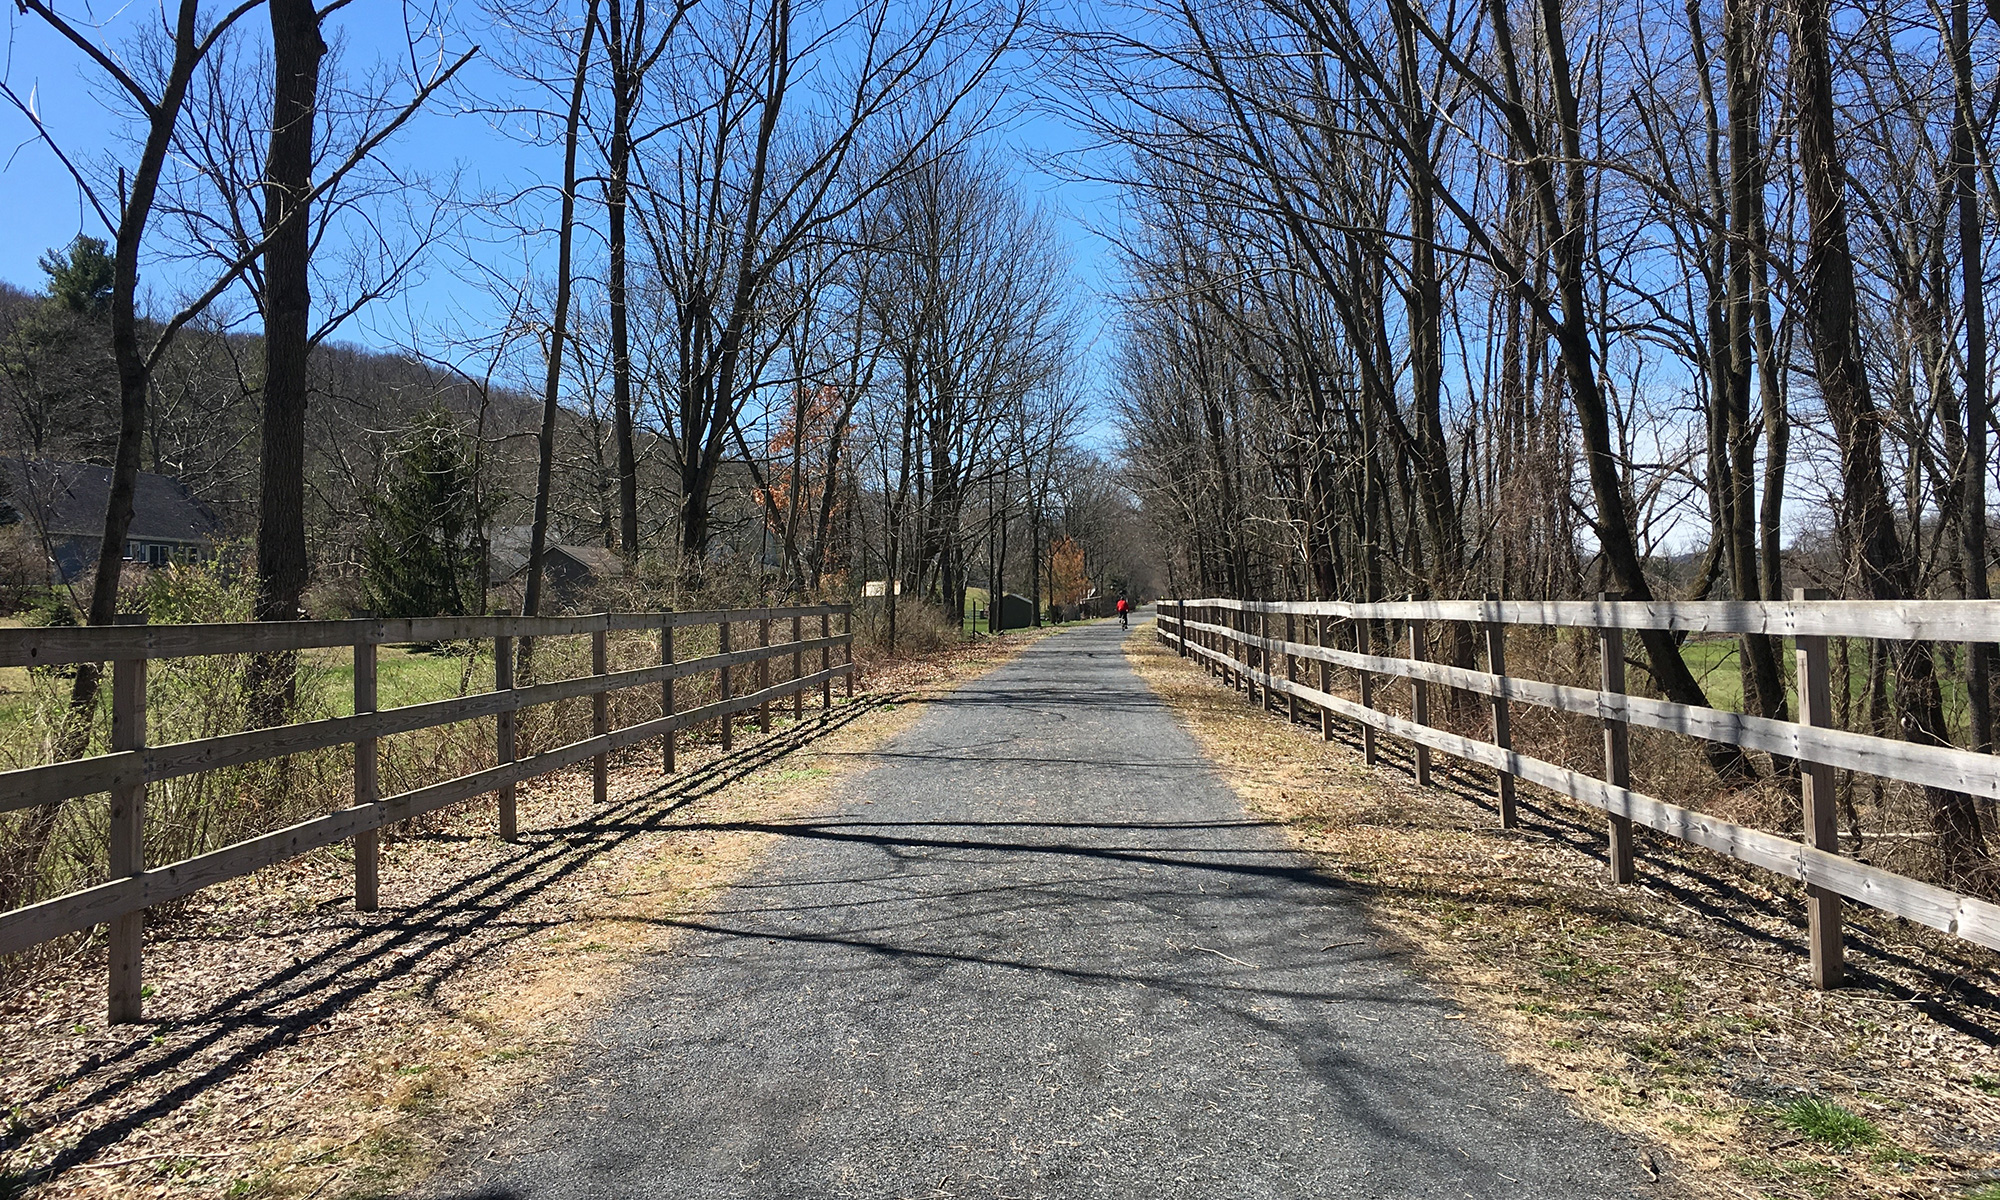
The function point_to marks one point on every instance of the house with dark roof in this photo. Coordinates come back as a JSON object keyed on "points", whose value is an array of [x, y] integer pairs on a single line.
{"points": [[65, 502], [566, 570], [572, 568]]}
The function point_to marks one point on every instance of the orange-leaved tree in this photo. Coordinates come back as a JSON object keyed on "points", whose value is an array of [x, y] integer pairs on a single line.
{"points": [[1067, 581], [792, 498]]}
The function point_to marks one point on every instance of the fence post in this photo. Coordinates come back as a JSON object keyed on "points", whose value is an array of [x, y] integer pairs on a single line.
{"points": [[125, 986], [1234, 651], [1503, 735], [1226, 646], [798, 669], [1261, 663], [1220, 618], [600, 713], [1325, 682], [1205, 613], [847, 633], [764, 671], [671, 742], [1215, 642], [826, 659], [1420, 700], [722, 688], [1291, 668], [1364, 643], [1823, 915], [367, 782], [1241, 655], [1617, 741], [503, 732], [1180, 630]]}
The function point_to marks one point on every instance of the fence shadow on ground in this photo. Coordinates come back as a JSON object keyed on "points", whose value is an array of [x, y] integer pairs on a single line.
{"points": [[1710, 889], [427, 934]]}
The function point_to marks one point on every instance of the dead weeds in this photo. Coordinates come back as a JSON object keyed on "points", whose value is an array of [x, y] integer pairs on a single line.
{"points": [[296, 1048], [1676, 1009]]}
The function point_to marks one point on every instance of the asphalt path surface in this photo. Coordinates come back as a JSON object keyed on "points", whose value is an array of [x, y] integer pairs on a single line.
{"points": [[1040, 950]]}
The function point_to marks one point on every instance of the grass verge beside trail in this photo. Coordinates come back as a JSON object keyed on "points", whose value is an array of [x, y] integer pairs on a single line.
{"points": [[297, 1048], [1675, 1009]]}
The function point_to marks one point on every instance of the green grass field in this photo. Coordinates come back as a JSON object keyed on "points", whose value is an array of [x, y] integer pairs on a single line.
{"points": [[1715, 663], [404, 675]]}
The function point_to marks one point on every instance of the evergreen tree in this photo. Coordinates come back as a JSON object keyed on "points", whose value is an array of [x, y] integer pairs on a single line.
{"points": [[421, 553], [80, 277], [58, 380]]}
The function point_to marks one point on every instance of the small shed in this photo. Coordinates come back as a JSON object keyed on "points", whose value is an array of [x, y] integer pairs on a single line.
{"points": [[1010, 611], [576, 568]]}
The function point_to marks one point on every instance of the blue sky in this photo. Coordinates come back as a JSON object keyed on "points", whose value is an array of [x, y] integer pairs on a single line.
{"points": [[44, 209]]}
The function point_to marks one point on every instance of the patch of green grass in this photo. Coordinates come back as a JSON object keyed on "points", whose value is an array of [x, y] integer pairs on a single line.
{"points": [[405, 675], [1803, 1173], [800, 774], [1647, 1050], [1567, 968], [1985, 1191], [1896, 1156], [1752, 1168], [1829, 1124]]}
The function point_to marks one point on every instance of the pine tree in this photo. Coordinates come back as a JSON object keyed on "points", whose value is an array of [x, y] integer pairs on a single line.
{"points": [[421, 552], [80, 276]]}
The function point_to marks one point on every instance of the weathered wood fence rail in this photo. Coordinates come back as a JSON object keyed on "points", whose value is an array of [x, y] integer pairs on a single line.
{"points": [[131, 765], [1235, 638]]}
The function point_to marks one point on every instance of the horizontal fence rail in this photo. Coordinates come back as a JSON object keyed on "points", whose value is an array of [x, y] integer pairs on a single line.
{"points": [[1233, 638], [1909, 620], [131, 765]]}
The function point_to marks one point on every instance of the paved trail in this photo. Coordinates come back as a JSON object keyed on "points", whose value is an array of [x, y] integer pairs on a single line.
{"points": [[1041, 951]]}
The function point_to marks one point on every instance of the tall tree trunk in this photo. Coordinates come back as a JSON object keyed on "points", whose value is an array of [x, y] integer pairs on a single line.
{"points": [[1564, 218], [134, 387], [531, 597], [296, 51], [1764, 685], [282, 568], [625, 83], [743, 296], [1867, 525], [1972, 472]]}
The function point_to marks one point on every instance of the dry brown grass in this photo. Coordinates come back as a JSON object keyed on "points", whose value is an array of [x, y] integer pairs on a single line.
{"points": [[1675, 1009], [296, 1048]]}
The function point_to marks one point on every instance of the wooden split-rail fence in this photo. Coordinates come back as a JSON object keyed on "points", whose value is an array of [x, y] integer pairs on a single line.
{"points": [[1258, 646], [133, 887]]}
